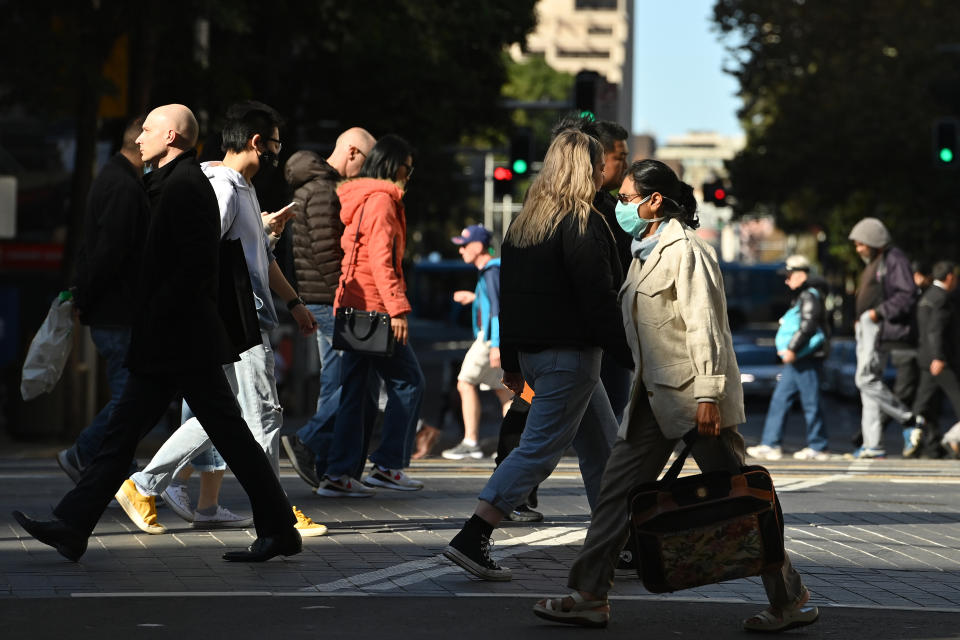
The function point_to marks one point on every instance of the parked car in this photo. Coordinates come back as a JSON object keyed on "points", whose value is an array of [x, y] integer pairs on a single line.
{"points": [[757, 358]]}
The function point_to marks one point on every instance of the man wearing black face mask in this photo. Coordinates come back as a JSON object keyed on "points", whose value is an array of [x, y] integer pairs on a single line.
{"points": [[251, 141]]}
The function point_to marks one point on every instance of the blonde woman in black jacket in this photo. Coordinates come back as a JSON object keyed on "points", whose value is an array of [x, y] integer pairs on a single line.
{"points": [[558, 285]]}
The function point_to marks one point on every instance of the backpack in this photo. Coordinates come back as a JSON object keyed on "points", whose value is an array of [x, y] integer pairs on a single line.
{"points": [[790, 324]]}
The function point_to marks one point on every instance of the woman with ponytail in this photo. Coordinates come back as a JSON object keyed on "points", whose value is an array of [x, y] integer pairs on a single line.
{"points": [[675, 314]]}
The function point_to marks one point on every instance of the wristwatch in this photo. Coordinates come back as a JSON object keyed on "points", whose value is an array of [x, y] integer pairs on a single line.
{"points": [[295, 302]]}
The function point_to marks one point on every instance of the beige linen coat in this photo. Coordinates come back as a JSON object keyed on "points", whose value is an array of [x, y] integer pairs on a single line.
{"points": [[675, 316]]}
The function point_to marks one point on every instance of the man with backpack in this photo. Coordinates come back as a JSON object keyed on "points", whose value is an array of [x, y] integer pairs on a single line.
{"points": [[802, 345]]}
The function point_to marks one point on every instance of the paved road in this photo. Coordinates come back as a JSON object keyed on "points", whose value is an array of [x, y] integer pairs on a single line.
{"points": [[877, 542]]}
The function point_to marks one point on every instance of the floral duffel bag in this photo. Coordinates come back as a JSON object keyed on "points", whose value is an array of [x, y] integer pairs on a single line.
{"points": [[705, 528]]}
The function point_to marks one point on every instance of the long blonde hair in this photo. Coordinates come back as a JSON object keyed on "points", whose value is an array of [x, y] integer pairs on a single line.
{"points": [[564, 187]]}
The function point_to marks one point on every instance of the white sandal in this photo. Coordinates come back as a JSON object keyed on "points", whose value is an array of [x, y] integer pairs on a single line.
{"points": [[768, 622], [583, 612]]}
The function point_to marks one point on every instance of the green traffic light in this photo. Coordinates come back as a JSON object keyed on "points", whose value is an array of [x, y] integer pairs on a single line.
{"points": [[946, 154], [588, 115], [519, 166]]}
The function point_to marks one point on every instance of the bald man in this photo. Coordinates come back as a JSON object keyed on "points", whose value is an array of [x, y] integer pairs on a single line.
{"points": [[317, 256], [178, 345]]}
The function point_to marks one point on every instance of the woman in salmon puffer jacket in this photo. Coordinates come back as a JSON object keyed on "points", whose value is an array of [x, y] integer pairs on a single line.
{"points": [[373, 242]]}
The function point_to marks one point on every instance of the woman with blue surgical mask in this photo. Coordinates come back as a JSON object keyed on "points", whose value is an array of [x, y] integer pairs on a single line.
{"points": [[675, 313]]}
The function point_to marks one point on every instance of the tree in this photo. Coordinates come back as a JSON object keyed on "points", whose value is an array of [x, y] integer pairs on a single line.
{"points": [[838, 103]]}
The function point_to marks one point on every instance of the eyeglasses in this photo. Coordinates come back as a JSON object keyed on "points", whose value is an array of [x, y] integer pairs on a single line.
{"points": [[409, 170], [624, 198], [361, 152], [279, 145]]}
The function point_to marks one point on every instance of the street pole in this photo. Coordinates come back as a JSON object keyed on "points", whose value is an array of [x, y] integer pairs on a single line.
{"points": [[488, 190]]}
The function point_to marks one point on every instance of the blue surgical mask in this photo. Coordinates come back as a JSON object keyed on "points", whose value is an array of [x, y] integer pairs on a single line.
{"points": [[628, 217]]}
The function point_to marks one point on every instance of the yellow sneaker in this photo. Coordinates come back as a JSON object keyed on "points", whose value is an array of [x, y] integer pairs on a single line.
{"points": [[141, 509], [307, 527]]}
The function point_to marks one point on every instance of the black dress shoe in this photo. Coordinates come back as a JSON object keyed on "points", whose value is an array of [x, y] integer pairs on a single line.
{"points": [[58, 534], [263, 549]]}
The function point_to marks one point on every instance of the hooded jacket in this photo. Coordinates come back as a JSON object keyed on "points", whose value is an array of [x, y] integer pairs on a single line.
{"points": [[317, 231], [373, 242], [899, 297]]}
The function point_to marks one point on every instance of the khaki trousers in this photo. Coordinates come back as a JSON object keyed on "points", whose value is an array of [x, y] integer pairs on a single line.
{"points": [[640, 458]]}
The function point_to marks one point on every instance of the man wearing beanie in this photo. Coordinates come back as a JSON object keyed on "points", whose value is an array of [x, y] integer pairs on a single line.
{"points": [[885, 302]]}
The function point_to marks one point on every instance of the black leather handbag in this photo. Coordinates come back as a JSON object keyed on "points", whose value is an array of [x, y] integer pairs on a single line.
{"points": [[705, 528], [367, 332]]}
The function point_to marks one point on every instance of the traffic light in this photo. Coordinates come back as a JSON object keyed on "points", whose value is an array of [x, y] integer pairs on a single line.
{"points": [[585, 93], [946, 136], [502, 182], [521, 151], [716, 192]]}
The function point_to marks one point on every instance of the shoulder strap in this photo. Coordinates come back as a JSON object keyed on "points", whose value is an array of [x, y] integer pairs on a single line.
{"points": [[353, 256]]}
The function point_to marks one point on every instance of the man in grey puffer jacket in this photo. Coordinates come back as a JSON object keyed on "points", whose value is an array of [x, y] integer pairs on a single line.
{"points": [[317, 256]]}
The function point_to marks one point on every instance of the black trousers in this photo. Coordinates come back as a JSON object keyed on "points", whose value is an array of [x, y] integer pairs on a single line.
{"points": [[930, 394], [144, 400]]}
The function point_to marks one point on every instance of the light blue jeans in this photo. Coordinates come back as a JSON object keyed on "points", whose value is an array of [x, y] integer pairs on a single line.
{"points": [[253, 384], [570, 408], [875, 397], [209, 460]]}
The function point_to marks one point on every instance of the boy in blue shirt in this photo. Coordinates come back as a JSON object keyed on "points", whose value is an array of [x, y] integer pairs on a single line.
{"points": [[481, 366]]}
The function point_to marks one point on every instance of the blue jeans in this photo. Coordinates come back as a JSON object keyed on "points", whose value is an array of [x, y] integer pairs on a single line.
{"points": [[317, 433], [799, 380], [570, 408], [112, 344], [404, 382]]}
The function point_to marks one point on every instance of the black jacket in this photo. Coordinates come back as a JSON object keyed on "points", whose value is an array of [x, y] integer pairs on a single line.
{"points": [[899, 298], [114, 230], [562, 293], [316, 228], [177, 325], [813, 316], [606, 204], [938, 328]]}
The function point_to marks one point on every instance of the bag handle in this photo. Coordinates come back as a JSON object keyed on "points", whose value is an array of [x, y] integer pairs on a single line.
{"points": [[689, 438]]}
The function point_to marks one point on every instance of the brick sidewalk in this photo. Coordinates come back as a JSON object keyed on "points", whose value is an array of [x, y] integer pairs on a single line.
{"points": [[878, 535]]}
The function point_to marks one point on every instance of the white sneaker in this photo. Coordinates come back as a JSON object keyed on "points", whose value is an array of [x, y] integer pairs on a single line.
{"points": [[394, 479], [811, 454], [764, 452], [345, 487], [463, 450], [176, 497], [221, 519]]}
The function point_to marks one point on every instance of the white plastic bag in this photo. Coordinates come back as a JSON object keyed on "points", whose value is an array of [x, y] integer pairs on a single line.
{"points": [[49, 350]]}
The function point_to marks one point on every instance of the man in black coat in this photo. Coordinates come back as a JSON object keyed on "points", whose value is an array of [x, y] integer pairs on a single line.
{"points": [[115, 228], [178, 345], [938, 352]]}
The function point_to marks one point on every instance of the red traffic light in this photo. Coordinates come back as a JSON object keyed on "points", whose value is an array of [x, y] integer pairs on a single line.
{"points": [[719, 195], [502, 173]]}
